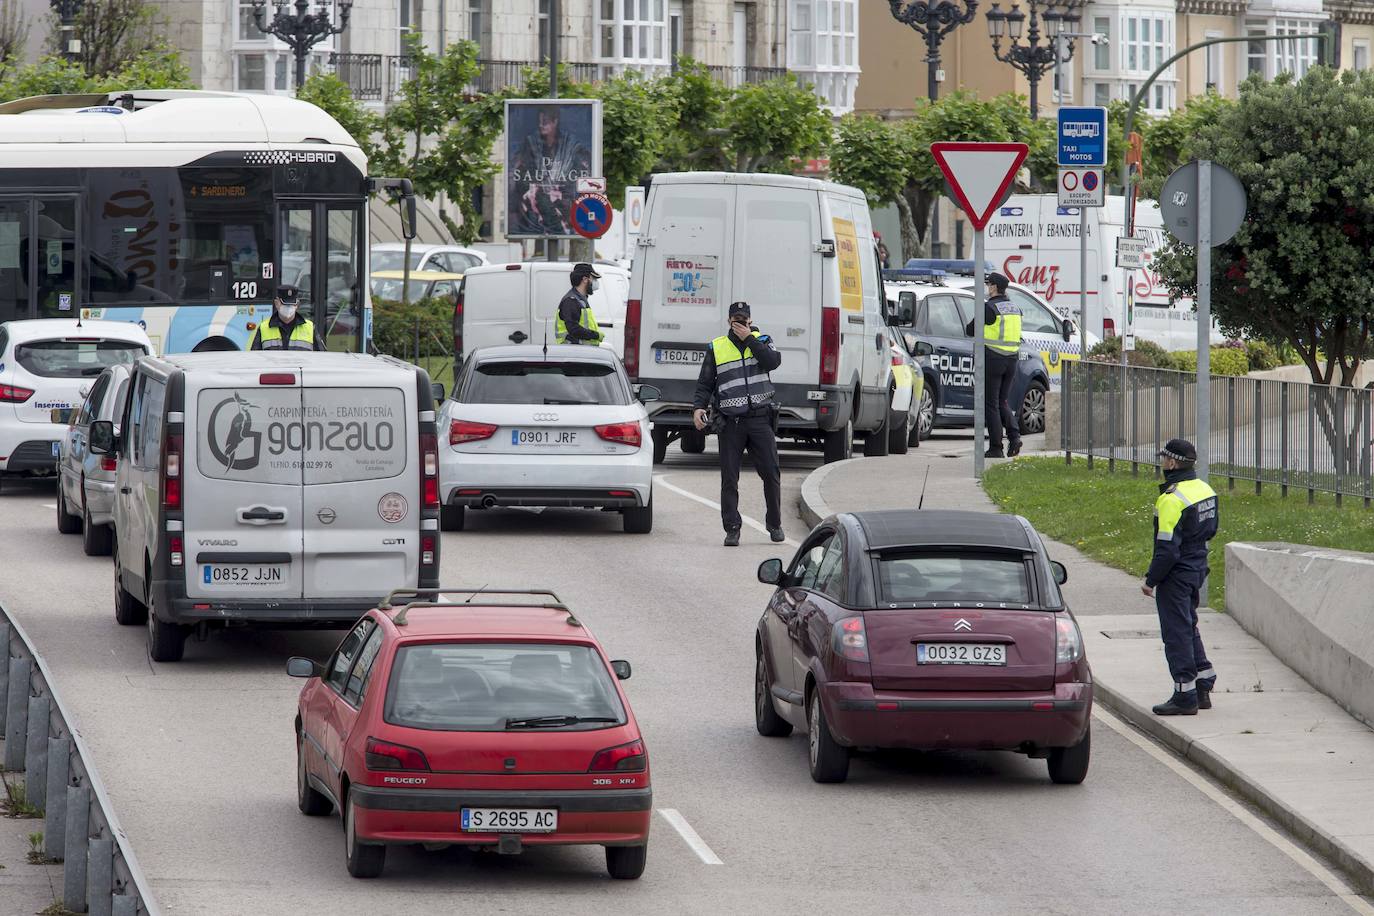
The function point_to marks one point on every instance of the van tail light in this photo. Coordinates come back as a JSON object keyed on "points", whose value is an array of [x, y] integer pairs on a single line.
{"points": [[458, 321], [429, 480], [13, 394], [427, 550], [174, 549], [383, 755], [623, 433], [1108, 327], [632, 309], [851, 640], [624, 758], [1068, 641], [460, 431], [171, 472], [108, 463], [830, 345]]}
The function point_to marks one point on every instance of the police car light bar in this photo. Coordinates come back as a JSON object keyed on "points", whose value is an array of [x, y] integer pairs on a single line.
{"points": [[914, 273], [962, 268]]}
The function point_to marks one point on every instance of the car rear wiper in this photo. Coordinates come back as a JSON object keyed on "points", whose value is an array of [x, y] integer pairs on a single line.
{"points": [[554, 721], [92, 370], [560, 401]]}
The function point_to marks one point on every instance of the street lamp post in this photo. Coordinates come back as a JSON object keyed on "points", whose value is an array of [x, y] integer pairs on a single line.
{"points": [[67, 11], [303, 29], [1032, 58], [933, 21]]}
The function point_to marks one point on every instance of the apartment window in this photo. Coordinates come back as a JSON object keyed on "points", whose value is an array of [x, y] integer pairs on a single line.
{"points": [[544, 48], [1359, 55], [1102, 53], [1212, 63], [1269, 58], [252, 73], [633, 30], [1102, 94], [261, 62], [824, 45], [475, 19], [802, 45], [248, 29], [1149, 41]]}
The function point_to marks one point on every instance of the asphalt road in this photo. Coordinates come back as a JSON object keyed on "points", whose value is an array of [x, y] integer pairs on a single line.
{"points": [[198, 756]]}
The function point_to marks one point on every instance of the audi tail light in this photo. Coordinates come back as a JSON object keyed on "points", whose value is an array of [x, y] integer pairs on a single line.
{"points": [[383, 755], [830, 345], [460, 431], [632, 311], [624, 758], [622, 433]]}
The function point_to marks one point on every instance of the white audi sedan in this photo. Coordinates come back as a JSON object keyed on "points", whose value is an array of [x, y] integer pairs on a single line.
{"points": [[558, 427]]}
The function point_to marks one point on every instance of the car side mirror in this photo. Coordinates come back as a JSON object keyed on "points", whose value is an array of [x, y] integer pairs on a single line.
{"points": [[923, 348], [1068, 329], [770, 572], [302, 667], [102, 439], [621, 668], [437, 390], [1061, 572], [646, 394]]}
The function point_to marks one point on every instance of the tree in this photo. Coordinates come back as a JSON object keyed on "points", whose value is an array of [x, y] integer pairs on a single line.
{"points": [[772, 124], [14, 32], [328, 92], [1169, 139], [56, 76], [874, 156], [695, 139], [112, 32]]}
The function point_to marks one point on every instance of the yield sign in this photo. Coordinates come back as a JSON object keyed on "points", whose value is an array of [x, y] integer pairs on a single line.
{"points": [[980, 174]]}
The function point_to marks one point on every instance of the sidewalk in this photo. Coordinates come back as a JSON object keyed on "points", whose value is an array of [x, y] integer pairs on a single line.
{"points": [[1271, 737]]}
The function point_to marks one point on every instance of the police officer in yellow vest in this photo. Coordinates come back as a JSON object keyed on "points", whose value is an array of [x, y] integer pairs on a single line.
{"points": [[1185, 520], [1001, 346], [287, 329], [734, 377], [576, 323]]}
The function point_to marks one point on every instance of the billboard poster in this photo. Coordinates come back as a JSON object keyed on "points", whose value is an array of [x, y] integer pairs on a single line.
{"points": [[550, 144]]}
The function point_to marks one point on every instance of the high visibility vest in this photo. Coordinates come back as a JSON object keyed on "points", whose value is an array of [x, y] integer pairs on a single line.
{"points": [[587, 320], [302, 336], [1004, 334], [740, 384], [1188, 508]]}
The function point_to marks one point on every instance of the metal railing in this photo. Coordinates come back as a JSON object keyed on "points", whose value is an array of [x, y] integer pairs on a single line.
{"points": [[361, 72], [99, 872], [1294, 435], [734, 77]]}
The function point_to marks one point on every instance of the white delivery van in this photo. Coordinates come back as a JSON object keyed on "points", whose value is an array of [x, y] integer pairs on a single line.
{"points": [[1034, 241], [801, 253], [270, 488], [504, 304]]}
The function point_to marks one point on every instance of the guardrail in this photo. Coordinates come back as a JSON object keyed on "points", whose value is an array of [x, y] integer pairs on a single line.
{"points": [[1296, 435], [100, 875]]}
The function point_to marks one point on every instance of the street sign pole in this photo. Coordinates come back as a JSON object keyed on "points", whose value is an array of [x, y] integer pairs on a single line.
{"points": [[1082, 288], [1082, 139], [1204, 315], [979, 357]]}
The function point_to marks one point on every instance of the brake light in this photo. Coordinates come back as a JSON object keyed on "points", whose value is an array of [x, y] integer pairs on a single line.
{"points": [[624, 758], [13, 394], [897, 360], [383, 755], [171, 472], [429, 480], [632, 338], [277, 378], [108, 463], [514, 266], [427, 550], [851, 640], [174, 549], [1068, 646], [624, 433], [1108, 327], [830, 345], [460, 431], [458, 321]]}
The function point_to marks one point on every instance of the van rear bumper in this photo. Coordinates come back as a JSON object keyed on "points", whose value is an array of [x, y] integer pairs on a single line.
{"points": [[313, 612]]}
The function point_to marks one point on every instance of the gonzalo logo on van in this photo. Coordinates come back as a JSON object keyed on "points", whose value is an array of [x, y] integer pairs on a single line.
{"points": [[230, 435]]}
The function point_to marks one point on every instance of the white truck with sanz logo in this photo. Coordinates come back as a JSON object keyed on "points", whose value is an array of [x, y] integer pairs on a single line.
{"points": [[270, 488]]}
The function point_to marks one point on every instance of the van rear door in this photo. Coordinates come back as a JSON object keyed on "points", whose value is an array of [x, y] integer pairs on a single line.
{"points": [[361, 469], [496, 307], [687, 273], [242, 498], [549, 284], [778, 272]]}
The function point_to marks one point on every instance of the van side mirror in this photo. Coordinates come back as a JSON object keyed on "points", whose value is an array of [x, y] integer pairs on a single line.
{"points": [[647, 394], [302, 667], [437, 390], [1061, 572], [621, 668], [770, 571], [102, 437], [1068, 329]]}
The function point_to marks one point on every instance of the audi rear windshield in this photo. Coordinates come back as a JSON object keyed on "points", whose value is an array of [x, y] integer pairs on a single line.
{"points": [[544, 382], [490, 687], [942, 577]]}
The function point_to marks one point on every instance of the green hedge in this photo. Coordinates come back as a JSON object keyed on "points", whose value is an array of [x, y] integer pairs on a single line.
{"points": [[393, 326], [1146, 354], [1225, 361]]}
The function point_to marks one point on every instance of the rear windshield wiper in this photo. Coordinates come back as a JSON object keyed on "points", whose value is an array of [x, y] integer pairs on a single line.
{"points": [[560, 401], [554, 721], [92, 370]]}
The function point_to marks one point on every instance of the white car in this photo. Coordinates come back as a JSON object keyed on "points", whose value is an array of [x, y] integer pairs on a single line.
{"points": [[44, 365], [85, 480], [562, 428], [448, 258]]}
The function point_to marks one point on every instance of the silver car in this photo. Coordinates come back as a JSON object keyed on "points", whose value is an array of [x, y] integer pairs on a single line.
{"points": [[86, 481]]}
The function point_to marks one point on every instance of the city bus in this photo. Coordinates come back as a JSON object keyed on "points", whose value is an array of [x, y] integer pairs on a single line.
{"points": [[182, 211]]}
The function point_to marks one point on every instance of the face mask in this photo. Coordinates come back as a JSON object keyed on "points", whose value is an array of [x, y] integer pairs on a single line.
{"points": [[595, 286], [286, 312]]}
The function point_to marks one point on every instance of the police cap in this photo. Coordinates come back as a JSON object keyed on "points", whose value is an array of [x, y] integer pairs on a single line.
{"points": [[1179, 450], [998, 280], [739, 308], [288, 294], [581, 272]]}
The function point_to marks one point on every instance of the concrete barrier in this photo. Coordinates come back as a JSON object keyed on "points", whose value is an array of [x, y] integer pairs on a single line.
{"points": [[1311, 607]]}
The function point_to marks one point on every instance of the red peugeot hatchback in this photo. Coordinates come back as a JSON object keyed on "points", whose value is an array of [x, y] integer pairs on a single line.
{"points": [[489, 724]]}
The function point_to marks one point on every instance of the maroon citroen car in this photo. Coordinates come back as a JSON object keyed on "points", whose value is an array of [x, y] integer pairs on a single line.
{"points": [[923, 629]]}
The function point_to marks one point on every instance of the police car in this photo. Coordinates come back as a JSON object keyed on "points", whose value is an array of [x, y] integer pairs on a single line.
{"points": [[932, 314]]}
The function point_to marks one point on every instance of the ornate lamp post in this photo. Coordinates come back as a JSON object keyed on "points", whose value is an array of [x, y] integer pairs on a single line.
{"points": [[933, 21], [303, 29], [67, 11], [1032, 58]]}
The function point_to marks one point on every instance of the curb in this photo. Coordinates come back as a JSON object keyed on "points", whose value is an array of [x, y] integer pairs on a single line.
{"points": [[1356, 867], [811, 506]]}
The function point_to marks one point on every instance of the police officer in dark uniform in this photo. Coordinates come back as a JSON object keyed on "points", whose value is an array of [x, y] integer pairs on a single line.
{"points": [[734, 377], [1185, 520], [575, 323]]}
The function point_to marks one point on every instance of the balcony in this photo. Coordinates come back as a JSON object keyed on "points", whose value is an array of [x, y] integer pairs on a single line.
{"points": [[378, 78]]}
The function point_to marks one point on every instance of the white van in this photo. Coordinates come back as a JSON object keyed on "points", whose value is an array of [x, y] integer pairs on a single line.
{"points": [[504, 304], [801, 253], [1034, 241], [270, 488]]}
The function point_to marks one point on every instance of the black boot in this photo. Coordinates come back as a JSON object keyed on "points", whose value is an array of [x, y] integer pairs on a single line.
{"points": [[777, 535], [1014, 449], [1204, 696], [1180, 704], [732, 538], [990, 453]]}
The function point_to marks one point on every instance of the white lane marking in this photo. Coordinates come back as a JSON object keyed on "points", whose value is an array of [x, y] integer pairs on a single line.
{"points": [[1304, 860], [752, 523], [49, 505], [684, 829]]}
